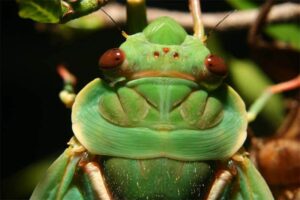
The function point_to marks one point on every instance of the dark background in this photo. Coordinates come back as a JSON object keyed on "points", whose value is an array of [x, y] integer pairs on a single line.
{"points": [[34, 123]]}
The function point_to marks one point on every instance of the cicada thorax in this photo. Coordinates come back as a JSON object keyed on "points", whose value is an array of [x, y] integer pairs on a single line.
{"points": [[144, 134], [162, 103], [159, 178]]}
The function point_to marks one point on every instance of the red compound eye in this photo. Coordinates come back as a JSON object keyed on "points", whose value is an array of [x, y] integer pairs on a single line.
{"points": [[216, 65], [111, 59]]}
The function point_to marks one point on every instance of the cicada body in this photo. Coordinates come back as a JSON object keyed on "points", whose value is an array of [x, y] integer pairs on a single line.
{"points": [[161, 124]]}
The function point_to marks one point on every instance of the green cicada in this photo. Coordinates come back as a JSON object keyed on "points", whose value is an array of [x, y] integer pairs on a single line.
{"points": [[161, 124]]}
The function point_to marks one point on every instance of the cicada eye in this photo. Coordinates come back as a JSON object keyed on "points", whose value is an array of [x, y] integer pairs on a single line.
{"points": [[111, 59], [216, 65]]}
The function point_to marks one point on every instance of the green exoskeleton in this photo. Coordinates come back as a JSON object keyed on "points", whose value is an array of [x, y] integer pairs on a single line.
{"points": [[161, 124]]}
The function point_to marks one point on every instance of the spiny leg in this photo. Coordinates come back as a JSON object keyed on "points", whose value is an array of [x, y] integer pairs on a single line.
{"points": [[222, 179], [92, 170], [238, 180]]}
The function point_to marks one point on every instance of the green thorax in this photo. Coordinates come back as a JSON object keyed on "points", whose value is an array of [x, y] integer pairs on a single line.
{"points": [[115, 133], [156, 178]]}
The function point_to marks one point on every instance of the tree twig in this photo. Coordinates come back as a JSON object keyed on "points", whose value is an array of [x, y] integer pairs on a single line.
{"points": [[237, 20], [256, 28], [254, 36]]}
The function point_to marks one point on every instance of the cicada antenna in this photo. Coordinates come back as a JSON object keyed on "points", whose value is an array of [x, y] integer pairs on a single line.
{"points": [[124, 34], [214, 28]]}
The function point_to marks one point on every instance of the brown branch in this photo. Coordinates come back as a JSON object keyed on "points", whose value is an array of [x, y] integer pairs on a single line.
{"points": [[259, 23], [237, 20], [254, 36]]}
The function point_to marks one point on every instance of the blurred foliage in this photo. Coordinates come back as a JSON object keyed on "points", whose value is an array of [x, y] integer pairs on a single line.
{"points": [[250, 80], [244, 4], [42, 11], [88, 22], [285, 32], [22, 183], [288, 33]]}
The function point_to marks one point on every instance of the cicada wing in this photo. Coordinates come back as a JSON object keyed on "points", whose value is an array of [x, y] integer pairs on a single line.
{"points": [[248, 184], [57, 183]]}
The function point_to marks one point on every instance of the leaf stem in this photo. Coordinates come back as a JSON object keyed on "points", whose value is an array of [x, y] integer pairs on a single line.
{"points": [[261, 101]]}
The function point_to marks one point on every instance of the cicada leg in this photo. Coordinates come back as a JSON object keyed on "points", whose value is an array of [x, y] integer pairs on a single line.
{"points": [[74, 175], [58, 182], [222, 179], [91, 171], [238, 180], [246, 182], [96, 178]]}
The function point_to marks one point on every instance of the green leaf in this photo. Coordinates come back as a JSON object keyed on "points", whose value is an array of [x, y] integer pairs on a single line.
{"points": [[57, 11], [288, 33], [88, 22], [46, 11]]}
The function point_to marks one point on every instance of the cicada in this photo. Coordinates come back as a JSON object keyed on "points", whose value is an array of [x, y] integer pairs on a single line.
{"points": [[159, 124]]}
